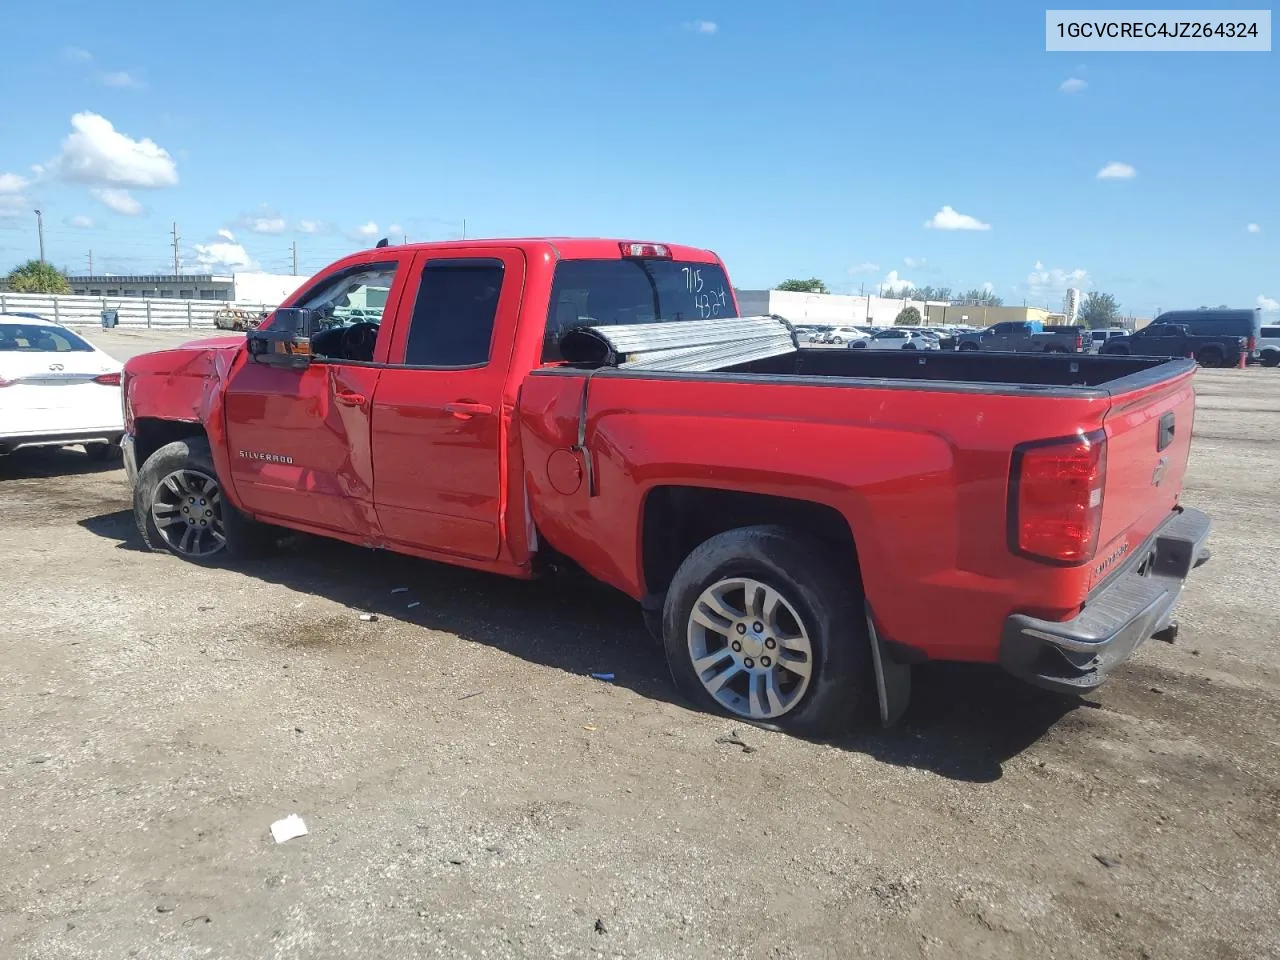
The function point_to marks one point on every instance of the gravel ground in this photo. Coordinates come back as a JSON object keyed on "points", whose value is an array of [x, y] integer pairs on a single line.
{"points": [[471, 791]]}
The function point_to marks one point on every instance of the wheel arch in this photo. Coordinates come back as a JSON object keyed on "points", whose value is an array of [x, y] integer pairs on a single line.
{"points": [[152, 433], [675, 519]]}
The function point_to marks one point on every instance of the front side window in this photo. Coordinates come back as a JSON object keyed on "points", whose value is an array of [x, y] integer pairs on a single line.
{"points": [[348, 312], [598, 293], [454, 313]]}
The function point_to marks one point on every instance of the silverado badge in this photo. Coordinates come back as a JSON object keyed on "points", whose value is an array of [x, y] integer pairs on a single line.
{"points": [[266, 457]]}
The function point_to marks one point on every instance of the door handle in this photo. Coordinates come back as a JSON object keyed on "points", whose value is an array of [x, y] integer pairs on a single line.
{"points": [[466, 409], [350, 399]]}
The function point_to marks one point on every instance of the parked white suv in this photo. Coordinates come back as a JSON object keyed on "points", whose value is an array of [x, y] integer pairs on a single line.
{"points": [[1269, 347]]}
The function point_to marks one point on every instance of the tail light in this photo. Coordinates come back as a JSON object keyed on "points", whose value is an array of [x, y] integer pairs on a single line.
{"points": [[658, 250], [108, 379], [1055, 498], [1252, 343], [1080, 341]]}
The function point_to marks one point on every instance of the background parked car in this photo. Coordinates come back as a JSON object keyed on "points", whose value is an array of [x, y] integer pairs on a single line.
{"points": [[1269, 347], [56, 389], [1178, 340], [1026, 336], [896, 338], [1245, 323], [1099, 337], [845, 335]]}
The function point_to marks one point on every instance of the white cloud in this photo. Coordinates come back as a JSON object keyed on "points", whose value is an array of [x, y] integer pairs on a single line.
{"points": [[122, 79], [1044, 282], [266, 224], [1268, 304], [1117, 171], [311, 226], [81, 222], [1252, 228], [12, 183], [121, 201], [1072, 85], [12, 204], [395, 230], [893, 284], [865, 267], [949, 219], [227, 235], [76, 55], [988, 287], [366, 232], [231, 256], [914, 263], [96, 153], [703, 27]]}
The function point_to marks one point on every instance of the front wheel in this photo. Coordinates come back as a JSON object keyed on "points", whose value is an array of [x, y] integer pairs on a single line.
{"points": [[837, 339], [909, 346], [760, 624], [179, 507], [968, 346]]}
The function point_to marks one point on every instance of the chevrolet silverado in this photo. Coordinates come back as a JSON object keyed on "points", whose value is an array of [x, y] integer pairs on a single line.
{"points": [[799, 526]]}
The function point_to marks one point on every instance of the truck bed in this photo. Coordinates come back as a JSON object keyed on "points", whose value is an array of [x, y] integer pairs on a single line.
{"points": [[968, 371]]}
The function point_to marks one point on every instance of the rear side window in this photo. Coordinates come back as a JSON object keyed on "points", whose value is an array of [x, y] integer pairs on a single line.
{"points": [[1271, 333], [33, 338], [453, 315], [597, 293]]}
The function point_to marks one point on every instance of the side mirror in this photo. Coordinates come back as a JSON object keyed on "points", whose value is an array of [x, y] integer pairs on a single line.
{"points": [[286, 339]]}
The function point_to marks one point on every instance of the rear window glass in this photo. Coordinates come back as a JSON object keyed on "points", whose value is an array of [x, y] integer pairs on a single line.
{"points": [[598, 293], [1271, 332], [35, 338]]}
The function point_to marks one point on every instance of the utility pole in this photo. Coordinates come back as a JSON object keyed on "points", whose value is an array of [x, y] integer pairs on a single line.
{"points": [[177, 269], [464, 228], [40, 229], [295, 257], [91, 263]]}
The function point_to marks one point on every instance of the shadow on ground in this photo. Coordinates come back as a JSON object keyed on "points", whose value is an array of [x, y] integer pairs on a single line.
{"points": [[965, 721], [37, 462]]}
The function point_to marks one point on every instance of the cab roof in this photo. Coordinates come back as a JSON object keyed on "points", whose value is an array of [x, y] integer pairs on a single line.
{"points": [[562, 248]]}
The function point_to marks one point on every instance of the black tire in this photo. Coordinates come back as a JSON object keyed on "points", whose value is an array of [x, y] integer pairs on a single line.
{"points": [[1209, 357], [968, 346], [837, 339], [1270, 358], [243, 538], [909, 346], [822, 590]]}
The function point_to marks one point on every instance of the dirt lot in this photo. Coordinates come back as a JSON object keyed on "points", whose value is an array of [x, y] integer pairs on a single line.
{"points": [[471, 791]]}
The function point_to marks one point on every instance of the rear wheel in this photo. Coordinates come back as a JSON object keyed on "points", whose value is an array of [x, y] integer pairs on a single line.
{"points": [[909, 346], [968, 346], [762, 624], [1270, 358], [179, 507], [1209, 357]]}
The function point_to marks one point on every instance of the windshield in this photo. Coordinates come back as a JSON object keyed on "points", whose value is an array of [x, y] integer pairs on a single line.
{"points": [[601, 293], [38, 338]]}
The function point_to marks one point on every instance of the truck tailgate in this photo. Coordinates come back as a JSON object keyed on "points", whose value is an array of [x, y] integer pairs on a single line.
{"points": [[1148, 440]]}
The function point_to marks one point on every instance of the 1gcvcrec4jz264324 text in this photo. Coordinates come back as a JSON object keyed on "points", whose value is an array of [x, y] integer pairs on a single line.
{"points": [[1158, 30]]}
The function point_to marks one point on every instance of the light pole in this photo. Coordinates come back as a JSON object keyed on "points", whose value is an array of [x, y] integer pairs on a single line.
{"points": [[40, 230]]}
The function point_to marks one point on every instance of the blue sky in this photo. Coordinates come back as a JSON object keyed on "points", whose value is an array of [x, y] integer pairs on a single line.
{"points": [[795, 139]]}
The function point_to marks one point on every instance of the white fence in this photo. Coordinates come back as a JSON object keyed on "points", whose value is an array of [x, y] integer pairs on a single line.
{"points": [[130, 311]]}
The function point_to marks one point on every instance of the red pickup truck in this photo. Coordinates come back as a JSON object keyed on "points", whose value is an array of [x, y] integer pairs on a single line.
{"points": [[798, 528]]}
